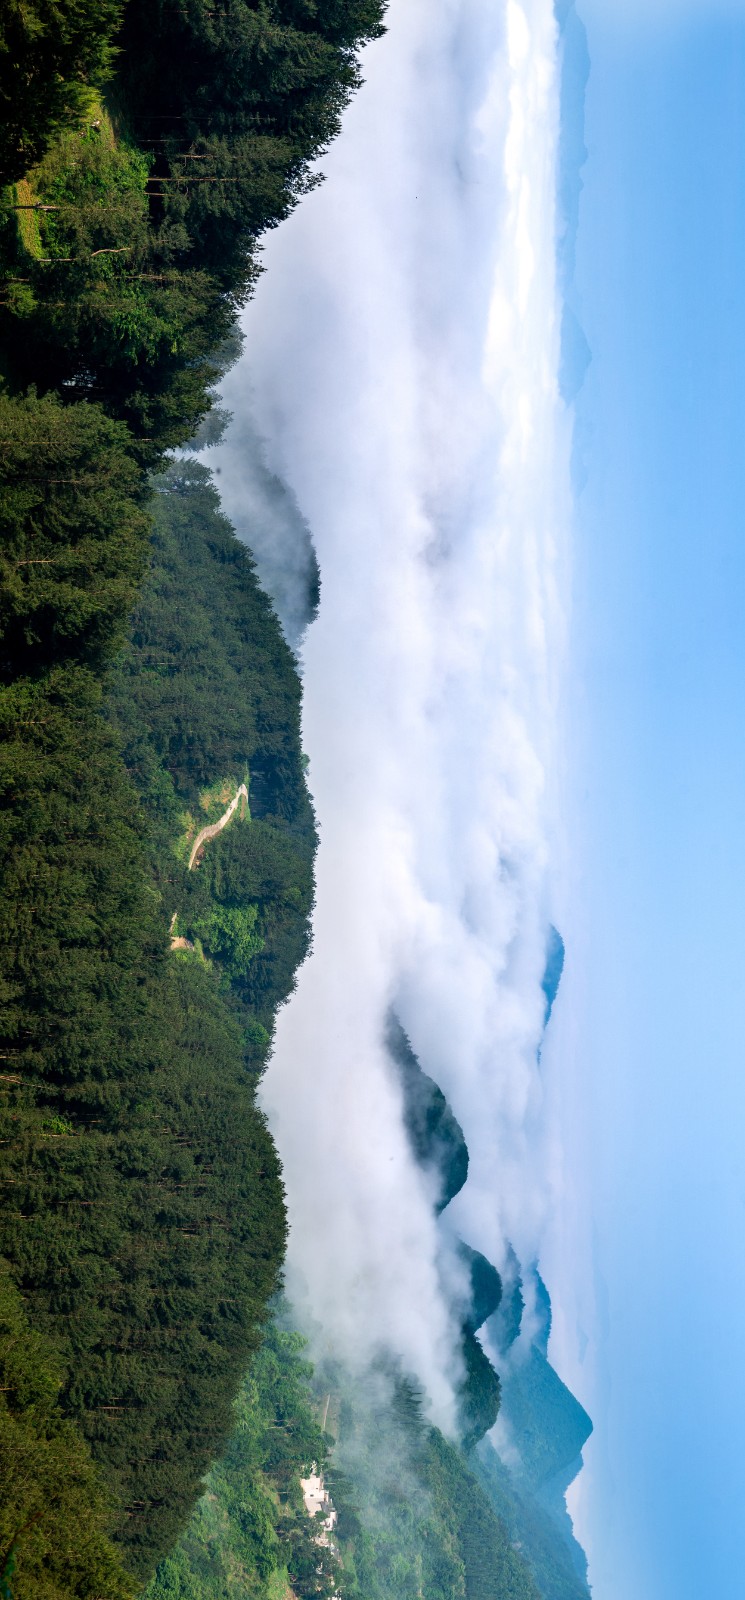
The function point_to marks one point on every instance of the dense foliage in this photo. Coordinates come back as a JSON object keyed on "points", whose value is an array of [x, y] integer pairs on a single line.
{"points": [[143, 1217], [413, 1519], [206, 688], [97, 304], [234, 100], [73, 534], [53, 1513], [250, 1534], [51, 54], [555, 1559], [206, 679], [131, 239], [143, 150]]}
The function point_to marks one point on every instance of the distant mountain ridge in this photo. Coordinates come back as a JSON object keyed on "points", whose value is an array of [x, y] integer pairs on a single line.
{"points": [[542, 1427]]}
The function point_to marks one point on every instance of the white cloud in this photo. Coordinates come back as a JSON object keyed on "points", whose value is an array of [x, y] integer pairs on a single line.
{"points": [[402, 355], [265, 515]]}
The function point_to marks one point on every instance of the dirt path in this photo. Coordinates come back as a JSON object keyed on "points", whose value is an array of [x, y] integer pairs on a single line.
{"points": [[216, 827]]}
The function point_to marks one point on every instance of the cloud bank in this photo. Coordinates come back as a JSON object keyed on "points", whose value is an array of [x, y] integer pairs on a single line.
{"points": [[401, 364], [265, 515]]}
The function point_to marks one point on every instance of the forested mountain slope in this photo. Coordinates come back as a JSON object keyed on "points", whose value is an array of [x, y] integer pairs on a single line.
{"points": [[142, 1221], [143, 1218]]}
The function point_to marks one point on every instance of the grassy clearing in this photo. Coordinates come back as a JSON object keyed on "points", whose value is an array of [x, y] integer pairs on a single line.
{"points": [[96, 121], [100, 115], [27, 222], [183, 844], [214, 800]]}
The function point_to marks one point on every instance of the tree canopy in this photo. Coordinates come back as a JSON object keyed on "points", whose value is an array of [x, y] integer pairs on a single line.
{"points": [[52, 53]]}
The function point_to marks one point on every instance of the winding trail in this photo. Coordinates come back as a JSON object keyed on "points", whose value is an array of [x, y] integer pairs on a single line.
{"points": [[216, 827]]}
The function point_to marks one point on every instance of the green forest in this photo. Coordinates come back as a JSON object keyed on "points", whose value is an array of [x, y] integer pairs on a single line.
{"points": [[143, 1221], [412, 1518], [143, 151], [250, 1534]]}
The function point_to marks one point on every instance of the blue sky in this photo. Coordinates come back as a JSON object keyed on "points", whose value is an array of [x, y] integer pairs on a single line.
{"points": [[659, 660]]}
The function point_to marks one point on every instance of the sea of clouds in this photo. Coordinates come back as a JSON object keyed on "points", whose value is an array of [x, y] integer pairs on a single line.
{"points": [[401, 372]]}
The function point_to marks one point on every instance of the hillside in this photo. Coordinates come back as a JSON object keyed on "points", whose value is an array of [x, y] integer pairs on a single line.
{"points": [[142, 1219]]}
